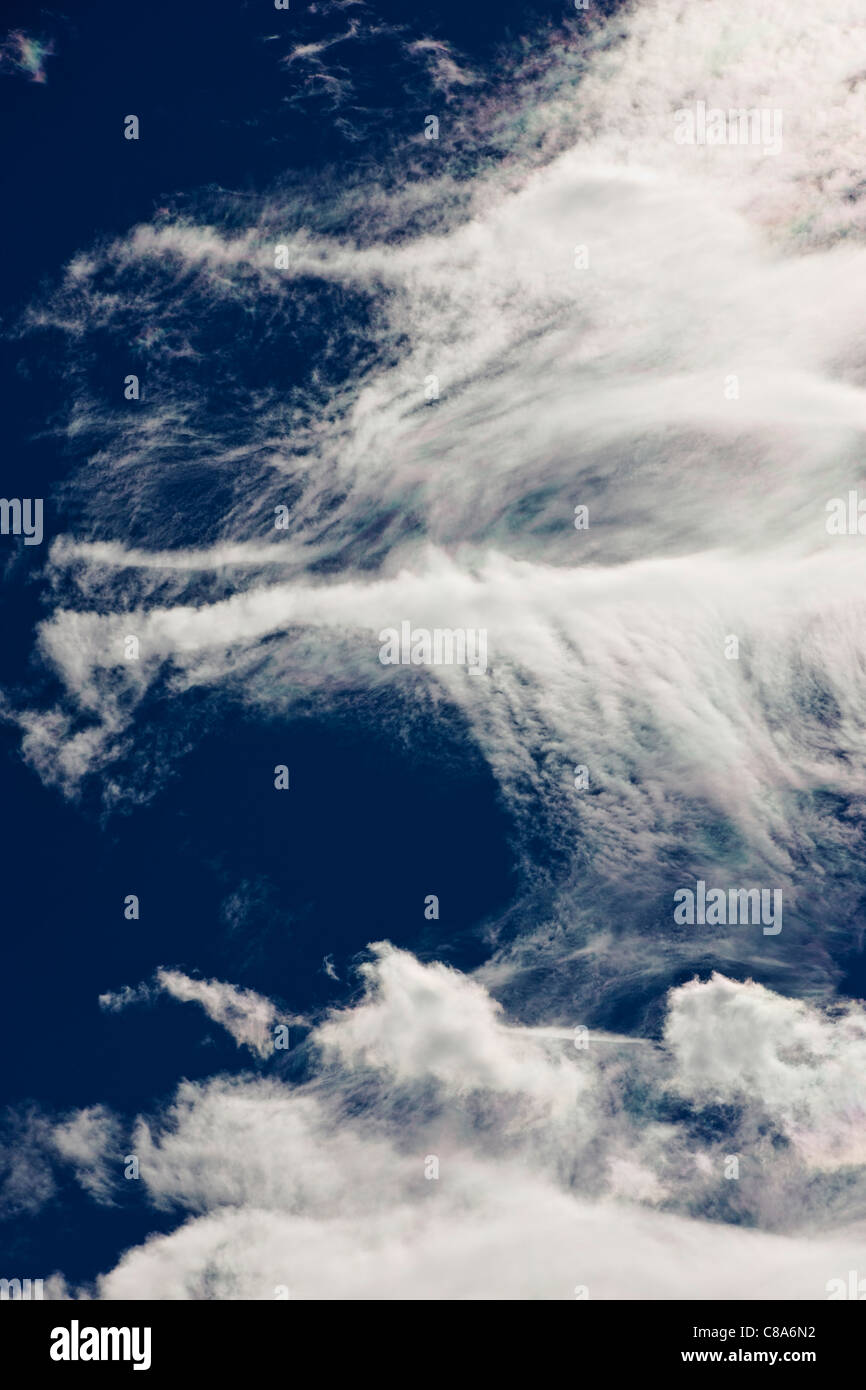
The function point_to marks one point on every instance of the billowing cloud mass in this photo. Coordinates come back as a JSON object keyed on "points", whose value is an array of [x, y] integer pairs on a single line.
{"points": [[435, 1150], [592, 314]]}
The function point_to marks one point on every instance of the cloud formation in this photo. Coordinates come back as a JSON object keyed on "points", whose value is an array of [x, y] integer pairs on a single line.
{"points": [[435, 1151], [433, 373]]}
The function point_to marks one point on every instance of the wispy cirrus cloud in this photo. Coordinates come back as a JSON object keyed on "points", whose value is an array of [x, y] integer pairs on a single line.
{"points": [[24, 54], [249, 1018]]}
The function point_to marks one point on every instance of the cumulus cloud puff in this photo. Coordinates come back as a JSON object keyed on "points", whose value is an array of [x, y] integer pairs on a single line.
{"points": [[435, 1151]]}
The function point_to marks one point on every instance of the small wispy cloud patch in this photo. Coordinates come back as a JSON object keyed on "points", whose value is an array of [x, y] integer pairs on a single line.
{"points": [[24, 55]]}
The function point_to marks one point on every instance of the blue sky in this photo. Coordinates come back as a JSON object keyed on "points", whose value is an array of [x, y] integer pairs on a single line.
{"points": [[427, 284]]}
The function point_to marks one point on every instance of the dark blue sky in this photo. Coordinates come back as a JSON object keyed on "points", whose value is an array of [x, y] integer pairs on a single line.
{"points": [[347, 858]]}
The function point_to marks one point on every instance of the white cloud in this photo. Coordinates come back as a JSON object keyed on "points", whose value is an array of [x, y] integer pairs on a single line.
{"points": [[804, 1067], [247, 1016], [547, 1178], [90, 1141]]}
